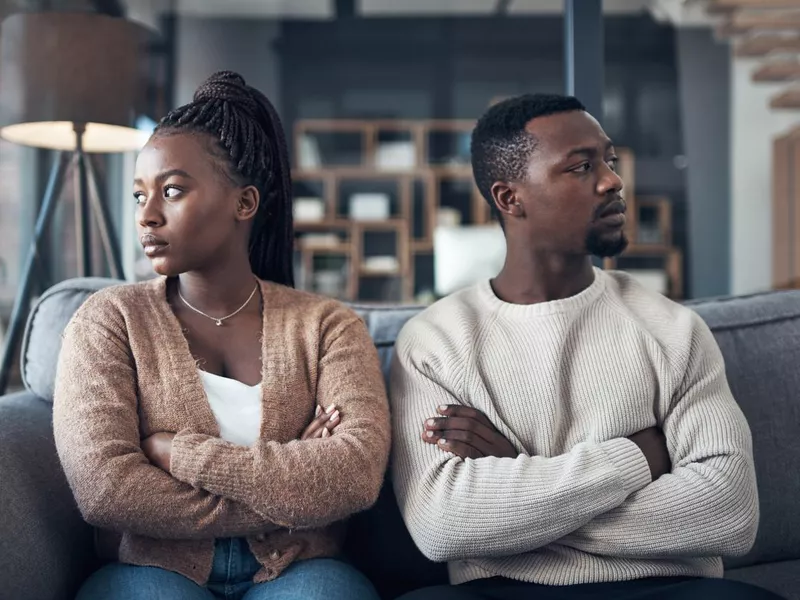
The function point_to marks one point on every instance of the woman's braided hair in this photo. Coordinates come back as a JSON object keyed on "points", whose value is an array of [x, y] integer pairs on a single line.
{"points": [[251, 141]]}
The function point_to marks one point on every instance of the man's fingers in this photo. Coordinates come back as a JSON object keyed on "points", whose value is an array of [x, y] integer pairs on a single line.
{"points": [[459, 448], [489, 434], [469, 438], [456, 410]]}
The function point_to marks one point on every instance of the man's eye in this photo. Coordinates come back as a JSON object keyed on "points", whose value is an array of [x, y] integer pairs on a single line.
{"points": [[172, 192]]}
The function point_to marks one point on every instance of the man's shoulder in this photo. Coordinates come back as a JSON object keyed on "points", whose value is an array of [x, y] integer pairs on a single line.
{"points": [[674, 326], [446, 323]]}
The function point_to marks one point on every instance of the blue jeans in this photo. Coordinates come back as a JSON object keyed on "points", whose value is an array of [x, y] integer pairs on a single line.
{"points": [[231, 579]]}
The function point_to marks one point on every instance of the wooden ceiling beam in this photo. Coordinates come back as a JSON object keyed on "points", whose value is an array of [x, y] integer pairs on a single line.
{"points": [[717, 6], [787, 99], [786, 70], [747, 21], [761, 45]]}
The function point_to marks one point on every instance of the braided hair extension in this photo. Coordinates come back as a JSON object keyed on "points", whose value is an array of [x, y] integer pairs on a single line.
{"points": [[252, 146]]}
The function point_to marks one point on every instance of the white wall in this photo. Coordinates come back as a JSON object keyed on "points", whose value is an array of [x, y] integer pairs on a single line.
{"points": [[753, 127]]}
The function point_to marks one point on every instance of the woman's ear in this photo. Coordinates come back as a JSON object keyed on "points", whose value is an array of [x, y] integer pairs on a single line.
{"points": [[506, 200], [247, 204]]}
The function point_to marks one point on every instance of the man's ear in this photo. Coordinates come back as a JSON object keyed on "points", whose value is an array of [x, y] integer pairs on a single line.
{"points": [[507, 200], [247, 203]]}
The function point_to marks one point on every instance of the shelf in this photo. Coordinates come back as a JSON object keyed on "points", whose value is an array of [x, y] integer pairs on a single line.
{"points": [[373, 273], [422, 247], [359, 172], [341, 224], [337, 249]]}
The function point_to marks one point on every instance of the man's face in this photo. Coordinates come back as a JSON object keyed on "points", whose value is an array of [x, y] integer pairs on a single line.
{"points": [[570, 196]]}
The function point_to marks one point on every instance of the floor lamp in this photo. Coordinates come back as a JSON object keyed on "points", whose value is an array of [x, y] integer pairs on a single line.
{"points": [[68, 82]]}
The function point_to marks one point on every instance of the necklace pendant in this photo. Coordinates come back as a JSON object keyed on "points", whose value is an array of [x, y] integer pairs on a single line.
{"points": [[219, 323]]}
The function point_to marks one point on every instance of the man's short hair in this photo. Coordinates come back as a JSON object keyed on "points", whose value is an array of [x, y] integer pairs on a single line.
{"points": [[501, 148]]}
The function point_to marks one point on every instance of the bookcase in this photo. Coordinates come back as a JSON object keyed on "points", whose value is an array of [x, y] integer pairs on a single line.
{"points": [[369, 193]]}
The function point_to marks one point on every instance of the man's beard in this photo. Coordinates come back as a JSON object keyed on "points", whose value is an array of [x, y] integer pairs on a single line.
{"points": [[604, 247]]}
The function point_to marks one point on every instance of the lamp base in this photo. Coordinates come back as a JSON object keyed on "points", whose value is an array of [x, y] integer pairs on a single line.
{"points": [[88, 200]]}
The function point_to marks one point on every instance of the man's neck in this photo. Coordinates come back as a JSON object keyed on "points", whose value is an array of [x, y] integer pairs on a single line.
{"points": [[534, 277]]}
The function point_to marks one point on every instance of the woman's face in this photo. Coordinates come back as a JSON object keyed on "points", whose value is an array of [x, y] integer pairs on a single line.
{"points": [[189, 214]]}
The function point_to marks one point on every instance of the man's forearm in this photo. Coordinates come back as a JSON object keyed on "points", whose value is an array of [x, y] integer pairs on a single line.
{"points": [[709, 508], [458, 509]]}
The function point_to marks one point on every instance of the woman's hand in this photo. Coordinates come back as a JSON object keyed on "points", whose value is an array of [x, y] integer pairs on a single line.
{"points": [[323, 424], [158, 449]]}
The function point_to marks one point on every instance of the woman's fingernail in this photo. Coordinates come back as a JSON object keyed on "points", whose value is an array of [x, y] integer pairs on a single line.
{"points": [[429, 434], [325, 432], [442, 408], [330, 409], [442, 442], [335, 415], [430, 422], [319, 411]]}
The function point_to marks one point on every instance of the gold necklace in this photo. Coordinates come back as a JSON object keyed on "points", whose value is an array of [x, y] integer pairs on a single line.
{"points": [[219, 321]]}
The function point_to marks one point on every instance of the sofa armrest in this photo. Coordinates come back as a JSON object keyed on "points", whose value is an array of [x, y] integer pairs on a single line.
{"points": [[45, 545]]}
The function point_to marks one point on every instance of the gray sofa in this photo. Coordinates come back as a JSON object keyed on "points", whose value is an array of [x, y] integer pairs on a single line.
{"points": [[46, 549]]}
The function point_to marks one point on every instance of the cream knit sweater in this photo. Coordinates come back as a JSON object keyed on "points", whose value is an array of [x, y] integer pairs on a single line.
{"points": [[566, 382]]}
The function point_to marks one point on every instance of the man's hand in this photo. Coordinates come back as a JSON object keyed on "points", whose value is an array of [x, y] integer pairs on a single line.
{"points": [[323, 424], [158, 449], [467, 433], [653, 445]]}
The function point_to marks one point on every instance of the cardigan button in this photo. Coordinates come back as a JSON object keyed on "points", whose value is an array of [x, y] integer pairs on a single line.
{"points": [[261, 537], [275, 555]]}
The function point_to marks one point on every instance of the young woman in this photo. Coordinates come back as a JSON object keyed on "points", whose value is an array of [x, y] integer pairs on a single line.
{"points": [[216, 424]]}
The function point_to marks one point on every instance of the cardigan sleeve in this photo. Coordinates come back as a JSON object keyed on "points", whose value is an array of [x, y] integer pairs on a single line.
{"points": [[96, 426], [309, 483]]}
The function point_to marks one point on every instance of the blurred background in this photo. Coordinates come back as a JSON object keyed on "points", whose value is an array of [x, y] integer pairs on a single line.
{"points": [[378, 98]]}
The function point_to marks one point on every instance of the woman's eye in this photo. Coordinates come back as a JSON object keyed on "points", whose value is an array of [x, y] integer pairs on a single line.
{"points": [[583, 168], [139, 197], [171, 192]]}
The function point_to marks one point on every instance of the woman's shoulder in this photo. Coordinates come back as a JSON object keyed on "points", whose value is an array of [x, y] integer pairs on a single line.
{"points": [[119, 303], [305, 306]]}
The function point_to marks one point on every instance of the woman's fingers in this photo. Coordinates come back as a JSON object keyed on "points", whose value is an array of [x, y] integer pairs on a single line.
{"points": [[322, 419]]}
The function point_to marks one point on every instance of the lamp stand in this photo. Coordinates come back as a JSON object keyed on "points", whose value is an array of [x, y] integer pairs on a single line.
{"points": [[87, 202]]}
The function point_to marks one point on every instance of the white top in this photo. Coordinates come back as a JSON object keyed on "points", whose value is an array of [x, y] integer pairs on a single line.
{"points": [[236, 406], [566, 382]]}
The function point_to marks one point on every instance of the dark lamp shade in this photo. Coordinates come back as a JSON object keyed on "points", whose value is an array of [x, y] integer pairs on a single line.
{"points": [[62, 69]]}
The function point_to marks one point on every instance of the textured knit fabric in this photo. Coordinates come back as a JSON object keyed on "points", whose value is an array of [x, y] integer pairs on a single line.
{"points": [[566, 382], [236, 407], [126, 372]]}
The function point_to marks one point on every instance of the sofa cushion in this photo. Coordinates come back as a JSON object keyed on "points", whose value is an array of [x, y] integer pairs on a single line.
{"points": [[45, 545], [46, 323], [760, 339], [782, 577]]}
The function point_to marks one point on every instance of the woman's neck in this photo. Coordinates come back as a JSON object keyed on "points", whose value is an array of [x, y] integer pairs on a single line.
{"points": [[218, 290]]}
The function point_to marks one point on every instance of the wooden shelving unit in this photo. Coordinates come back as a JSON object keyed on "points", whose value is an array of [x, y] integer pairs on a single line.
{"points": [[435, 174], [415, 190]]}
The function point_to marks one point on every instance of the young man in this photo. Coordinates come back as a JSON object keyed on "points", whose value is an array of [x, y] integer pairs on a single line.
{"points": [[560, 431]]}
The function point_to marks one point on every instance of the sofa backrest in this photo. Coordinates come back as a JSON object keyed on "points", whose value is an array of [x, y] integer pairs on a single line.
{"points": [[758, 335]]}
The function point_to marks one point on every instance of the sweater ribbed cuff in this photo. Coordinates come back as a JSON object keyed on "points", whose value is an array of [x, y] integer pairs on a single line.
{"points": [[631, 463], [182, 463]]}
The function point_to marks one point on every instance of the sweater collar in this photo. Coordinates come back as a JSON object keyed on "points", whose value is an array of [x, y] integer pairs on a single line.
{"points": [[525, 311]]}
